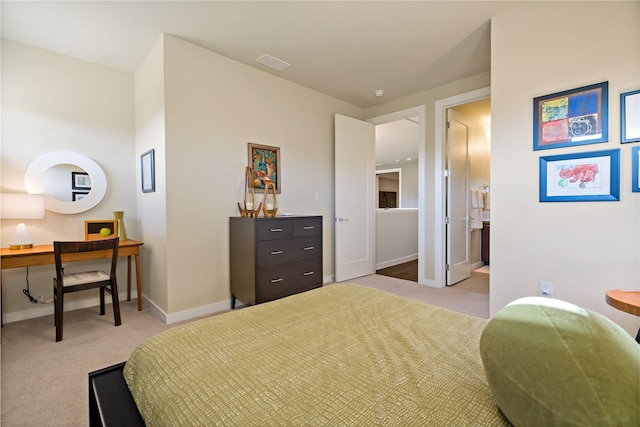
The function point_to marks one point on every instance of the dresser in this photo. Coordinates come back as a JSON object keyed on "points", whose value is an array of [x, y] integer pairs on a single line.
{"points": [[272, 258]]}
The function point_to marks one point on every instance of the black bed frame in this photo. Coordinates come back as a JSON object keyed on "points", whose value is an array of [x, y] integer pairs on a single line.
{"points": [[110, 401]]}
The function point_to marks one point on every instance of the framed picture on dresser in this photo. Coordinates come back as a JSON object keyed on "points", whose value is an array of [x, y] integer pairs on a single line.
{"points": [[264, 160]]}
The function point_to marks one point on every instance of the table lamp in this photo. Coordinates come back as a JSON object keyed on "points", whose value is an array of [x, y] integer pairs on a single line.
{"points": [[21, 206]]}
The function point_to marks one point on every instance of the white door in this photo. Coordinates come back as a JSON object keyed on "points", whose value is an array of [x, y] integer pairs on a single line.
{"points": [[354, 198], [457, 205]]}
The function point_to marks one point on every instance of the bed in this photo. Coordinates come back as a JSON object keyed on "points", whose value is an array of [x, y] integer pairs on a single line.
{"points": [[349, 355], [342, 354]]}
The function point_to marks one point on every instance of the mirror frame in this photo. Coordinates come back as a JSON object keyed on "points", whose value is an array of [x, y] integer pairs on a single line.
{"points": [[33, 181], [399, 172]]}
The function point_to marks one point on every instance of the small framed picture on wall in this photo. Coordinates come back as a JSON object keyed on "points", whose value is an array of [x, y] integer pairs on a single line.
{"points": [[630, 117], [147, 171], [635, 170]]}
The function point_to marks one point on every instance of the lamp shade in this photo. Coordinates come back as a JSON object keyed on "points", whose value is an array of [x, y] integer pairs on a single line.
{"points": [[22, 206]]}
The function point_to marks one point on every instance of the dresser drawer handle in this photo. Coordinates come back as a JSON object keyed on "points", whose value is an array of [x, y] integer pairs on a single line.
{"points": [[308, 227], [308, 273], [309, 248], [276, 230], [276, 280], [276, 252]]}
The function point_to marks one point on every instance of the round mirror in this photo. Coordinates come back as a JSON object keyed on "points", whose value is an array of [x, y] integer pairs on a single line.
{"points": [[71, 182]]}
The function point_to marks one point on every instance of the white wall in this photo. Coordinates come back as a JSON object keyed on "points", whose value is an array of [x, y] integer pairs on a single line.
{"points": [[584, 248], [214, 106], [396, 236], [150, 134], [52, 102]]}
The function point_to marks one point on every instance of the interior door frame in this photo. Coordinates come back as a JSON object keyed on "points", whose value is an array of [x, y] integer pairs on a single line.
{"points": [[407, 113], [440, 240]]}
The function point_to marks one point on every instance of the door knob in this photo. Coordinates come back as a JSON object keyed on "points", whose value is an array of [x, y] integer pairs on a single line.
{"points": [[338, 219]]}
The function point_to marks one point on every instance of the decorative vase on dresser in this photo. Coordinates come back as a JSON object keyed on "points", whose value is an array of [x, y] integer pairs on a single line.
{"points": [[272, 258]]}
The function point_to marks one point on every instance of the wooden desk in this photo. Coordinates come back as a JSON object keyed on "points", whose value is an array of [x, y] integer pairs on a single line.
{"points": [[627, 301], [43, 255]]}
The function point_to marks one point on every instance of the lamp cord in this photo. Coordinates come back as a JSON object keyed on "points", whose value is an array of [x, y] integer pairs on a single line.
{"points": [[26, 291]]}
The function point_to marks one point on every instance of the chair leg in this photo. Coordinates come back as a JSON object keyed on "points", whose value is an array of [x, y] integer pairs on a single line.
{"points": [[116, 304], [102, 301], [58, 309]]}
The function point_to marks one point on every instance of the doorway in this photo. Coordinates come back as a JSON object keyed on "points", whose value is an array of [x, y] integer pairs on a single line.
{"points": [[439, 242], [478, 115], [402, 151], [431, 188]]}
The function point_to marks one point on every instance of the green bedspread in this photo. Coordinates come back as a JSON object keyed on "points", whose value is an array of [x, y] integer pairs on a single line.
{"points": [[339, 355]]}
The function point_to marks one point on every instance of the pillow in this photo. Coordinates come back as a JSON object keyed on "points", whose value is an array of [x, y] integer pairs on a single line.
{"points": [[549, 362]]}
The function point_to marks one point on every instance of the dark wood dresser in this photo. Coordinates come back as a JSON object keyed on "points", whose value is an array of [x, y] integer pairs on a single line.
{"points": [[272, 258]]}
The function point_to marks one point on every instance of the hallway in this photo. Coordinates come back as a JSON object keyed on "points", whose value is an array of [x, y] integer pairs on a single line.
{"points": [[478, 282]]}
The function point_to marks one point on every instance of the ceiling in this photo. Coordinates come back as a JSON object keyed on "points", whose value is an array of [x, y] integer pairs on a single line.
{"points": [[345, 49]]}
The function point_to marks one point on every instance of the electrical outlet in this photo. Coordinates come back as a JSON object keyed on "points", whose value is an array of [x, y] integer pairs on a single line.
{"points": [[546, 289]]}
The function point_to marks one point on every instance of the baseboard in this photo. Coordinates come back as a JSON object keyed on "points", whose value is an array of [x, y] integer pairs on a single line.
{"points": [[185, 315], [205, 310], [477, 265], [391, 263], [41, 310]]}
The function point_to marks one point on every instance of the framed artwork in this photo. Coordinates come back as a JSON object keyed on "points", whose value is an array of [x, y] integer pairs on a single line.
{"points": [[580, 177], [573, 117], [630, 117], [265, 162], [147, 171], [100, 229], [635, 170], [80, 181], [78, 195]]}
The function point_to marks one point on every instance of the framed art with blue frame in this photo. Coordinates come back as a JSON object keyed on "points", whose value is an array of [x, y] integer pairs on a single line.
{"points": [[573, 117], [581, 177], [630, 117], [635, 169]]}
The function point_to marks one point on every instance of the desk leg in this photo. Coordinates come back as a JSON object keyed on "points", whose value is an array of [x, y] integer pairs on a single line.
{"points": [[139, 282], [129, 278]]}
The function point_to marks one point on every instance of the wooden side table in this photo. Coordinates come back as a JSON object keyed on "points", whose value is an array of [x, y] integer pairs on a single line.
{"points": [[627, 301]]}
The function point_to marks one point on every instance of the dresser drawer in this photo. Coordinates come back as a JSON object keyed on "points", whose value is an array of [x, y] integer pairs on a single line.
{"points": [[272, 252], [307, 226], [271, 258], [286, 279], [273, 229]]}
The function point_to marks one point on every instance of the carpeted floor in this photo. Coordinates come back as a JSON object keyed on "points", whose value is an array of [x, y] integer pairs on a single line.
{"points": [[45, 383]]}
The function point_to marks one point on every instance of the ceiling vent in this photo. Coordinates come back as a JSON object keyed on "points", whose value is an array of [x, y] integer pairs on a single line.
{"points": [[273, 62]]}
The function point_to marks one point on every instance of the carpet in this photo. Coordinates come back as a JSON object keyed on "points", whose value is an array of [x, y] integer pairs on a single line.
{"points": [[45, 383]]}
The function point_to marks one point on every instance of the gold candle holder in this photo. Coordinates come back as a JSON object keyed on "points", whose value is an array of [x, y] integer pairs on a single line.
{"points": [[270, 203], [249, 208]]}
